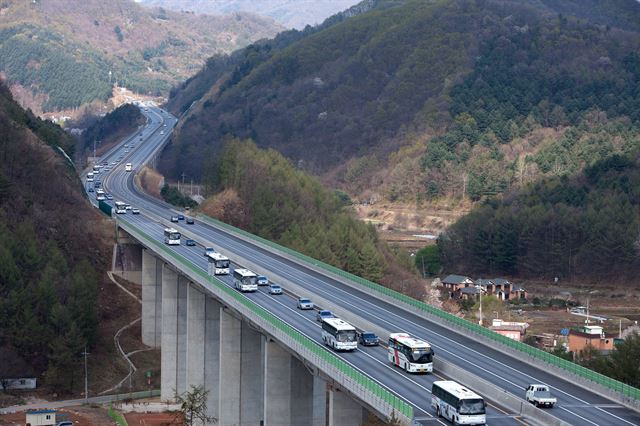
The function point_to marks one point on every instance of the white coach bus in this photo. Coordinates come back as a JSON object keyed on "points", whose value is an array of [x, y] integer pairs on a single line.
{"points": [[245, 280], [414, 355], [457, 404], [218, 264], [339, 334], [172, 237]]}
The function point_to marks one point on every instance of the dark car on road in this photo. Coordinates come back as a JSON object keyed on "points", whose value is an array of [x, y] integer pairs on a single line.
{"points": [[323, 314], [190, 243], [190, 221], [180, 217], [366, 338]]}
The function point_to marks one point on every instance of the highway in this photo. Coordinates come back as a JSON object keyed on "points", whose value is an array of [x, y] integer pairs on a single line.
{"points": [[576, 405]]}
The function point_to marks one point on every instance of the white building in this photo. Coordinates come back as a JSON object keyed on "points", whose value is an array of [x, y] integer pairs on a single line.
{"points": [[41, 418], [19, 383]]}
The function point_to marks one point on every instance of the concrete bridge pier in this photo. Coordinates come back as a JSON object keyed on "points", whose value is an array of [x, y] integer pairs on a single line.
{"points": [[174, 334], [241, 372], [250, 378], [292, 395], [203, 341], [344, 410], [151, 299], [127, 257]]}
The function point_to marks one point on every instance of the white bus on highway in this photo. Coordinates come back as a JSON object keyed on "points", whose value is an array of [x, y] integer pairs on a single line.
{"points": [[339, 334], [121, 208], [90, 177], [245, 280], [127, 167], [458, 404], [414, 355], [218, 263], [100, 195], [172, 236]]}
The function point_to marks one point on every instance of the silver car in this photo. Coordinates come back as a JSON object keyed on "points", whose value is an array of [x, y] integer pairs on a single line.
{"points": [[304, 303], [275, 289]]}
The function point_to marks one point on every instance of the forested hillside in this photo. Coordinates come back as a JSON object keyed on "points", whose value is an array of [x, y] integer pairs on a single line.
{"points": [[425, 100], [583, 227], [66, 53], [108, 130], [260, 191], [50, 251]]}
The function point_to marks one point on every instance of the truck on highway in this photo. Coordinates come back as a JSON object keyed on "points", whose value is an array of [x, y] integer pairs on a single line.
{"points": [[540, 396]]}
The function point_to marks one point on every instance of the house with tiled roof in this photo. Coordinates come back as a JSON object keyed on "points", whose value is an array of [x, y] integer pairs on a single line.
{"points": [[453, 283]]}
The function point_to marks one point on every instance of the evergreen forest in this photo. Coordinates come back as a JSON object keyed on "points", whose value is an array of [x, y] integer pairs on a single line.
{"points": [[50, 253], [585, 227]]}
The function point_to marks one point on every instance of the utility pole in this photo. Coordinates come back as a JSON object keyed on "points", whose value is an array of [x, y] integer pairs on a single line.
{"points": [[183, 175], [479, 287], [94, 150], [86, 376]]}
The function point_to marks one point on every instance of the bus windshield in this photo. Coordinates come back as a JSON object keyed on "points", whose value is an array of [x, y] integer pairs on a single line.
{"points": [[471, 406], [346, 336], [222, 263], [421, 356], [248, 280]]}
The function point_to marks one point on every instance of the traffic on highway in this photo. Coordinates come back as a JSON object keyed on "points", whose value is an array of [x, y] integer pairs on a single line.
{"points": [[402, 362]]}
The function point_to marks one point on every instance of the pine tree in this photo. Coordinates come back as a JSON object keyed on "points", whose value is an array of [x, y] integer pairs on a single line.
{"points": [[84, 292]]}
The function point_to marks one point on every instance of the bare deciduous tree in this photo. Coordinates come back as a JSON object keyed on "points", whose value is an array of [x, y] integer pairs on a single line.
{"points": [[193, 407]]}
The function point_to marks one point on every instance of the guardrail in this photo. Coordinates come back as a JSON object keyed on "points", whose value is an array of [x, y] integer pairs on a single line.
{"points": [[631, 394], [370, 392]]}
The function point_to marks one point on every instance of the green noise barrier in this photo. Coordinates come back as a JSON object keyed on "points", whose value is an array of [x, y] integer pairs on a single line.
{"points": [[536, 353], [355, 376]]}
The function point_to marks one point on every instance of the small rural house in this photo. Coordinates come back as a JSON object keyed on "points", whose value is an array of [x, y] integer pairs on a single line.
{"points": [[454, 283], [41, 418], [589, 335], [512, 330]]}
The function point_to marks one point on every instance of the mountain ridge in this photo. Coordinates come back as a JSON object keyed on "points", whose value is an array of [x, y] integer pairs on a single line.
{"points": [[481, 89], [72, 52]]}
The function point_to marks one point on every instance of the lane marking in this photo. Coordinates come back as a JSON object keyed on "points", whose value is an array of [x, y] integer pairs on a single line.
{"points": [[579, 416]]}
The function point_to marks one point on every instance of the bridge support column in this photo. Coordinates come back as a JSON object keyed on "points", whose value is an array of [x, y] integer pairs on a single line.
{"points": [[292, 395], [229, 383], [151, 299], [241, 371], [212, 356], [174, 333], [196, 311], [251, 376], [343, 410], [277, 385], [319, 402]]}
